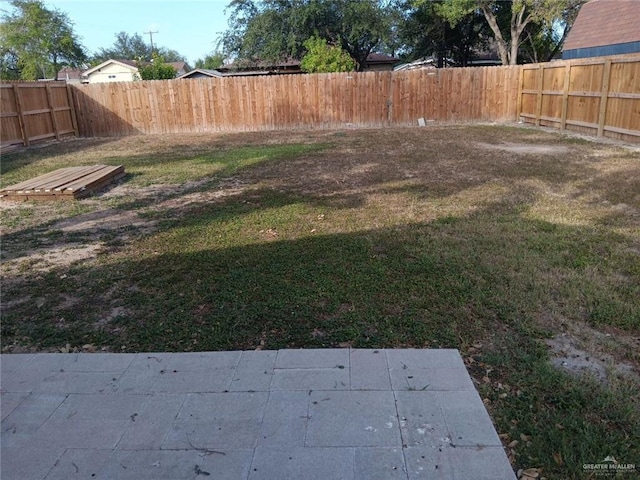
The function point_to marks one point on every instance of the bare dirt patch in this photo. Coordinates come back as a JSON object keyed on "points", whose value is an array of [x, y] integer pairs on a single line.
{"points": [[568, 357], [45, 259], [526, 148]]}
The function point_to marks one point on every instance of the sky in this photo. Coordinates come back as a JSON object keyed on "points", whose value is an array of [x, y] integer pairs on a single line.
{"points": [[191, 27]]}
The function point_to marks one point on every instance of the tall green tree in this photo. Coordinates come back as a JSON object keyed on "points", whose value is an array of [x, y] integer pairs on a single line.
{"points": [[37, 41], [211, 61], [521, 12], [133, 47], [324, 58], [274, 30]]}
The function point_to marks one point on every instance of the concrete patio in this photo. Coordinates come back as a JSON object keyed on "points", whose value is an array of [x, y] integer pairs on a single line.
{"points": [[287, 414]]}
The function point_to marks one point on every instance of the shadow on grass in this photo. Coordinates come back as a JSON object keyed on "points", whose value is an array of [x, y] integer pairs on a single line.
{"points": [[453, 282], [443, 283]]}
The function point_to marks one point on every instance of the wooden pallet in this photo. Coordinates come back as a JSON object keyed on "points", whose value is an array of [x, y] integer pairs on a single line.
{"points": [[64, 184]]}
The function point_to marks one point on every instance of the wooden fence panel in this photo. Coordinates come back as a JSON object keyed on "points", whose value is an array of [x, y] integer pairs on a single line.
{"points": [[9, 117], [598, 96], [296, 101], [35, 111]]}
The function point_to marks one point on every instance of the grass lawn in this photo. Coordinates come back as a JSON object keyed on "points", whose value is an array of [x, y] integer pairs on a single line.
{"points": [[518, 246]]}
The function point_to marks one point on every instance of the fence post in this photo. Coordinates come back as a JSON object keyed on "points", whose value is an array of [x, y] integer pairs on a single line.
{"points": [[390, 98], [72, 106], [539, 99], [604, 96], [565, 96], [54, 120], [520, 88], [23, 125]]}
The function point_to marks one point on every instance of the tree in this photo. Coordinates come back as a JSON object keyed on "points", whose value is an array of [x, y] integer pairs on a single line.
{"points": [[522, 13], [133, 47], [425, 32], [157, 69], [211, 61], [324, 58], [37, 41], [273, 30], [543, 40]]}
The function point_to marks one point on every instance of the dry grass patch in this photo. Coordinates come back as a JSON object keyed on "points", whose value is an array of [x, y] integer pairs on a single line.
{"points": [[488, 239]]}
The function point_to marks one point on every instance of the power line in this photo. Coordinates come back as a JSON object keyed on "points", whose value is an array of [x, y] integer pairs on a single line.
{"points": [[150, 33]]}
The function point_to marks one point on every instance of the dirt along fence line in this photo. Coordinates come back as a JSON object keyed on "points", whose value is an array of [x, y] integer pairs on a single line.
{"points": [[596, 96]]}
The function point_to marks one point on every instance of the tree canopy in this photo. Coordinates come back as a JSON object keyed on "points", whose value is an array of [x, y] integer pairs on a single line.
{"points": [[211, 61], [36, 42], [133, 47], [520, 13], [324, 58], [275, 30], [424, 32], [520, 30]]}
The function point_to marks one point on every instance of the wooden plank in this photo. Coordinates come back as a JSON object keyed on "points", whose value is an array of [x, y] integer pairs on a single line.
{"points": [[582, 124], [87, 181], [39, 111], [32, 182], [520, 92], [77, 182], [565, 96], [42, 137], [51, 180], [624, 131], [73, 177], [54, 120], [23, 127], [74, 120], [585, 94], [539, 98], [606, 76], [631, 96]]}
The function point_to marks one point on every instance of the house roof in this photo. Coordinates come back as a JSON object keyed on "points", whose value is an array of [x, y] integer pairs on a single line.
{"points": [[202, 71], [125, 63], [426, 62], [605, 22], [179, 65], [69, 73], [381, 58], [248, 65]]}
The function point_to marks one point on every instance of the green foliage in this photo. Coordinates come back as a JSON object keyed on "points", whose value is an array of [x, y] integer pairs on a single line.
{"points": [[272, 30], [133, 47], [37, 41], [324, 58], [519, 14], [211, 61], [425, 32], [543, 39], [157, 70]]}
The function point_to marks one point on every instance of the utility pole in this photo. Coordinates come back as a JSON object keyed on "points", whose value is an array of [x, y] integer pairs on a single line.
{"points": [[150, 33]]}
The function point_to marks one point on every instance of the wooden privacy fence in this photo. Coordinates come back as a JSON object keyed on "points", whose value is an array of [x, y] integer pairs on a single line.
{"points": [[297, 101], [595, 96], [35, 111]]}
